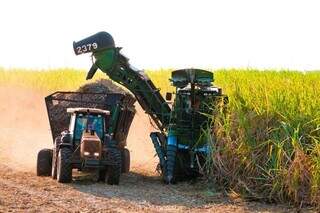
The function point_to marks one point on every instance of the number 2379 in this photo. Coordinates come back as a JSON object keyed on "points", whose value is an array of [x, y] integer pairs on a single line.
{"points": [[86, 48]]}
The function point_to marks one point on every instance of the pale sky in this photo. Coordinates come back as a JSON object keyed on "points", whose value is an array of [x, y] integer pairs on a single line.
{"points": [[165, 33]]}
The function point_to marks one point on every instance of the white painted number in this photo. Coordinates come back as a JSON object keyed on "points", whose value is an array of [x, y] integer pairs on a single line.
{"points": [[87, 48], [95, 45], [84, 48], [79, 50]]}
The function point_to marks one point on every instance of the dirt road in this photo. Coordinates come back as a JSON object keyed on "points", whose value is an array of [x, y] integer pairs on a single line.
{"points": [[24, 130]]}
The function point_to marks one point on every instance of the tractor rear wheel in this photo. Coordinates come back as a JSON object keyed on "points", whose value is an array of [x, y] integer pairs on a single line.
{"points": [[114, 170], [44, 161], [64, 165], [125, 160]]}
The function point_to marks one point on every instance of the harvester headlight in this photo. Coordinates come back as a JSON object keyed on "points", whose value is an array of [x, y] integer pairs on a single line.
{"points": [[96, 154], [86, 153]]}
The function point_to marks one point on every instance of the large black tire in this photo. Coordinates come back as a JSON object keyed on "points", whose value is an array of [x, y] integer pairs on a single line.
{"points": [[64, 165], [114, 171], [44, 161], [125, 160]]}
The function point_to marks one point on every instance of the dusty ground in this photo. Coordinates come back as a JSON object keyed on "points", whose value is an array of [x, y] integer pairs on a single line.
{"points": [[24, 130]]}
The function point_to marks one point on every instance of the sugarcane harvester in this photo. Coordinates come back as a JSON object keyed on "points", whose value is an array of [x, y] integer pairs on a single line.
{"points": [[181, 143]]}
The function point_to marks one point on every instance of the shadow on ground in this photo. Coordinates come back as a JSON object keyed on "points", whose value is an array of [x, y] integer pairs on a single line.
{"points": [[150, 190]]}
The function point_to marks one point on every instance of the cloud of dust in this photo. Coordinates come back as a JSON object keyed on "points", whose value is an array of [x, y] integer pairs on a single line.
{"points": [[24, 130], [24, 127], [141, 148]]}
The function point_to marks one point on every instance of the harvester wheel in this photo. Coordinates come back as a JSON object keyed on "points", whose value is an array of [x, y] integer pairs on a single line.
{"points": [[125, 160], [64, 165], [114, 171], [44, 161]]}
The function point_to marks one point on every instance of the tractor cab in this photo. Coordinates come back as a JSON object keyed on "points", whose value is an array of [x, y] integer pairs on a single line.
{"points": [[87, 129], [87, 120]]}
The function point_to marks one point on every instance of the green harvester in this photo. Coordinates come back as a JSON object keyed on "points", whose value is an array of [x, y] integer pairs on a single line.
{"points": [[182, 142]]}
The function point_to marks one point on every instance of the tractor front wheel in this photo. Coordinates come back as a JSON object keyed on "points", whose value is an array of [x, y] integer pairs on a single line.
{"points": [[64, 165], [114, 170], [44, 161]]}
